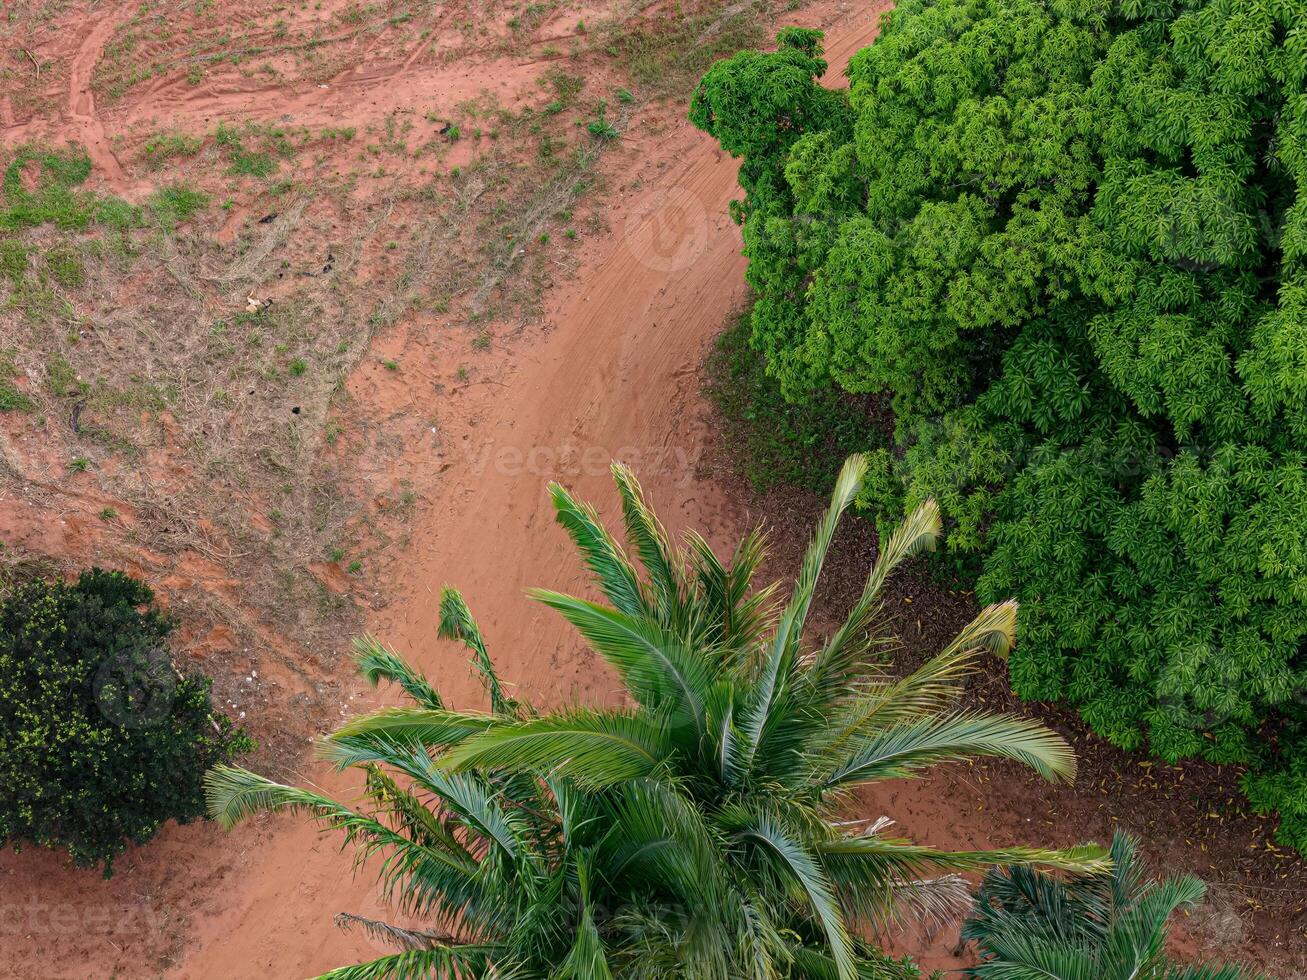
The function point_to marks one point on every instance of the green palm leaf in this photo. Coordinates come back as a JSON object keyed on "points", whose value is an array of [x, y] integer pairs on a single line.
{"points": [[594, 749], [837, 661], [377, 662], [603, 555], [774, 673], [934, 685], [587, 959], [456, 623], [904, 749], [651, 544], [370, 737], [659, 670], [447, 963], [727, 616], [789, 854]]}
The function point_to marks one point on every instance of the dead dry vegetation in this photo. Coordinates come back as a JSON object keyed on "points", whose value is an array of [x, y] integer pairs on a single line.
{"points": [[181, 353]]}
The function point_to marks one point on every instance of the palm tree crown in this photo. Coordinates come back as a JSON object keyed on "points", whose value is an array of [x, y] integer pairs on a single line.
{"points": [[693, 833], [1100, 926]]}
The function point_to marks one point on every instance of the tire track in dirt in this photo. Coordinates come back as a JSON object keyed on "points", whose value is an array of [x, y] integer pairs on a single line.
{"points": [[617, 376], [81, 100]]}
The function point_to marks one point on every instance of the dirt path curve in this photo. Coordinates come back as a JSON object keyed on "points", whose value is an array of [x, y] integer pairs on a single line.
{"points": [[81, 100], [616, 376]]}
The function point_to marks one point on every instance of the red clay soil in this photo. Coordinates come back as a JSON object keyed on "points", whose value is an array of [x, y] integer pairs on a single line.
{"points": [[614, 372]]}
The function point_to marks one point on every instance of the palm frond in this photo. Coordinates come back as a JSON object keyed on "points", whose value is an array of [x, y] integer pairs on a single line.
{"points": [[904, 749], [730, 615], [774, 672], [427, 877], [935, 901], [447, 963], [1109, 923], [595, 749], [603, 556], [234, 794], [933, 685], [836, 662], [664, 838], [456, 623], [1212, 971], [398, 936], [870, 963], [651, 544], [377, 662], [1025, 957], [788, 854], [420, 823], [475, 801], [918, 532], [587, 959], [902, 860], [1138, 938], [372, 737], [659, 670]]}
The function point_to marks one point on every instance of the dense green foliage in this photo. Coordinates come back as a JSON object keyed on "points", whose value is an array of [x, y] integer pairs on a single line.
{"points": [[100, 741], [1105, 926], [694, 833], [1069, 240]]}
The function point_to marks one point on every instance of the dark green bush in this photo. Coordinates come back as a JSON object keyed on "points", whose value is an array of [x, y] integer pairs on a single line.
{"points": [[1069, 240], [100, 740]]}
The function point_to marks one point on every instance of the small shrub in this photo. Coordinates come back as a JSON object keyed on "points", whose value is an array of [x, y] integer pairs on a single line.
{"points": [[100, 740], [1028, 923], [601, 128]]}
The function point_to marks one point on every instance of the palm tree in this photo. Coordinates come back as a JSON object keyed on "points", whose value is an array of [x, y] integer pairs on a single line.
{"points": [[693, 833], [1098, 926]]}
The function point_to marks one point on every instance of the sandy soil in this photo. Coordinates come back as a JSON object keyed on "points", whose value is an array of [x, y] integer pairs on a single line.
{"points": [[610, 371]]}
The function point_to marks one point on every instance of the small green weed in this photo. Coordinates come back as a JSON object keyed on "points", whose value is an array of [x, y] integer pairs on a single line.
{"points": [[175, 203]]}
